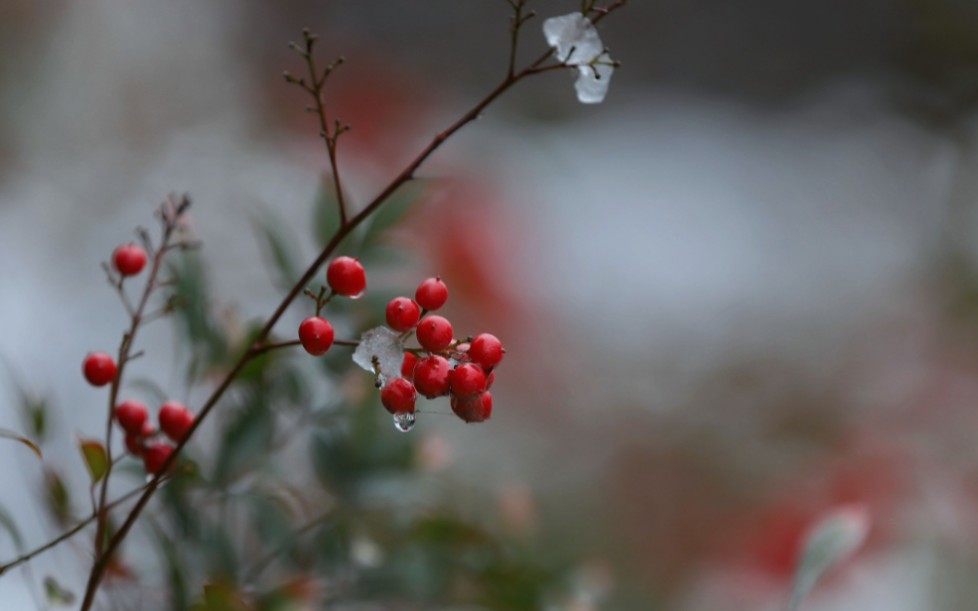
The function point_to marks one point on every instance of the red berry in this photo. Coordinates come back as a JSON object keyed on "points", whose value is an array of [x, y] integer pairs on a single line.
{"points": [[154, 455], [490, 379], [468, 380], [431, 294], [175, 420], [316, 335], [407, 367], [99, 368], [431, 376], [399, 396], [402, 314], [346, 277], [132, 415], [434, 333], [134, 443], [477, 408], [129, 259], [486, 350]]}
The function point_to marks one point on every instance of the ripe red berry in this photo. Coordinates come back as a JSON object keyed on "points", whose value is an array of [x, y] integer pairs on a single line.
{"points": [[434, 333], [477, 408], [154, 455], [316, 335], [134, 443], [467, 380], [431, 294], [407, 367], [399, 396], [486, 350], [431, 376], [99, 368], [131, 415], [129, 259], [346, 277], [490, 379], [402, 314], [175, 420]]}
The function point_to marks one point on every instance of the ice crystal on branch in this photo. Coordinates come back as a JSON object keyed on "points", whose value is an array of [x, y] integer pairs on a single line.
{"points": [[380, 348], [577, 43]]}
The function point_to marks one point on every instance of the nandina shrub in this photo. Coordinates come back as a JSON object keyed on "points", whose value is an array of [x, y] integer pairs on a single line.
{"points": [[236, 525]]}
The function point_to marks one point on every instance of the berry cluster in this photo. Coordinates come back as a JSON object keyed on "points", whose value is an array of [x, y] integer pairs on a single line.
{"points": [[345, 276], [442, 365], [175, 420]]}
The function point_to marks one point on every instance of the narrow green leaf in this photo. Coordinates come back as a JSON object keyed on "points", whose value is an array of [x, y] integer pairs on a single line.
{"points": [[326, 216], [7, 521], [56, 494], [96, 458], [8, 434], [392, 211], [56, 593], [222, 597], [278, 247]]}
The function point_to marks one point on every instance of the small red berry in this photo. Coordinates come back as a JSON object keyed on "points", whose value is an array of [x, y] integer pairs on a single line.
{"points": [[477, 408], [346, 277], [431, 376], [399, 396], [434, 333], [487, 351], [402, 314], [99, 368], [175, 420], [316, 335], [407, 367], [468, 380], [431, 294], [131, 415], [490, 379], [134, 443], [129, 259], [154, 455]]}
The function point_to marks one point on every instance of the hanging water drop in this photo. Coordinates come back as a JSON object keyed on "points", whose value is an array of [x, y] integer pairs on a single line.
{"points": [[404, 421]]}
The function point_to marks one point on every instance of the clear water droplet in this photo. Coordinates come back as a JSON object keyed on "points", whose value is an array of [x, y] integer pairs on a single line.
{"points": [[404, 422], [358, 295]]}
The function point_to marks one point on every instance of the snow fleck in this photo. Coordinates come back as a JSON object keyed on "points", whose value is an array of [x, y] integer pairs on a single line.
{"points": [[577, 43], [383, 347]]}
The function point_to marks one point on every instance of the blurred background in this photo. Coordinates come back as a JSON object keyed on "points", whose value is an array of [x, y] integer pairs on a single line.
{"points": [[740, 292]]}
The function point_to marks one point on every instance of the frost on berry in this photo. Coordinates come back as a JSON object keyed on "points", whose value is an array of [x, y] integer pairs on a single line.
{"points": [[382, 346]]}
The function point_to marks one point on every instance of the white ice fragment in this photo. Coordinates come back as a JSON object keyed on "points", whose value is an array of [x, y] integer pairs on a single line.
{"points": [[831, 540], [593, 80], [382, 347], [575, 38], [578, 44]]}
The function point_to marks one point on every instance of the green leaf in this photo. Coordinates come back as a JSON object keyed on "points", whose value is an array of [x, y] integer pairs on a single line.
{"points": [[392, 212], [96, 458], [56, 593], [8, 434], [221, 597], [278, 247], [7, 521], [149, 387], [326, 216], [56, 495], [245, 442]]}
